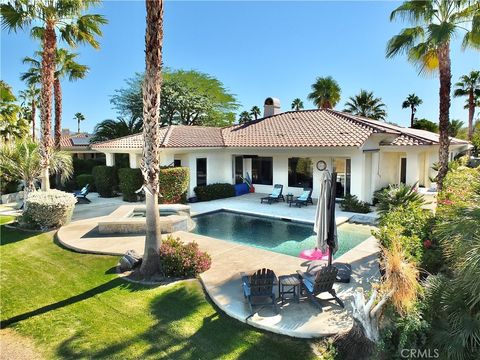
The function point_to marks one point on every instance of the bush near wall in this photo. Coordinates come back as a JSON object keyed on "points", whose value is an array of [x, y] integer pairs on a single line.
{"points": [[130, 180], [84, 179], [214, 191], [352, 204], [85, 166], [174, 184], [105, 180], [48, 209]]}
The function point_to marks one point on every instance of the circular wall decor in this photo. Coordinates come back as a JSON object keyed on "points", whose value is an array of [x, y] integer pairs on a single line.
{"points": [[321, 165]]}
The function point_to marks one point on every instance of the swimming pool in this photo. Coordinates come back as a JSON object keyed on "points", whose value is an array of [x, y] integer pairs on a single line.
{"points": [[285, 237]]}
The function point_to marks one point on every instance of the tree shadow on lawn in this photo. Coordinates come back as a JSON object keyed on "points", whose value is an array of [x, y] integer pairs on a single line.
{"points": [[114, 283], [173, 335], [10, 235]]}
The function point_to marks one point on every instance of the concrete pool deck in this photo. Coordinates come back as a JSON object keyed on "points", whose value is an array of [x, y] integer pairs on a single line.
{"points": [[222, 281]]}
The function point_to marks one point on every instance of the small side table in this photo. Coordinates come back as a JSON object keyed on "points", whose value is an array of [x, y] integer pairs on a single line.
{"points": [[289, 284], [289, 198]]}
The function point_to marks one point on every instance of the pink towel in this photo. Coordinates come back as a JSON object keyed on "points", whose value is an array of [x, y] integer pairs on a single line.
{"points": [[314, 254]]}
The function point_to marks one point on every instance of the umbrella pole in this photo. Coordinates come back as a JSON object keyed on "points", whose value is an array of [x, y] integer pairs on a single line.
{"points": [[332, 224]]}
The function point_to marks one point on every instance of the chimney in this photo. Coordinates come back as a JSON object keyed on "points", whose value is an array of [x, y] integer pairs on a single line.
{"points": [[271, 107]]}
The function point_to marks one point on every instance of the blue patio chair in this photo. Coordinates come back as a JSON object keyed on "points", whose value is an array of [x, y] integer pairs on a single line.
{"points": [[275, 196], [304, 199], [260, 285], [82, 194], [321, 282]]}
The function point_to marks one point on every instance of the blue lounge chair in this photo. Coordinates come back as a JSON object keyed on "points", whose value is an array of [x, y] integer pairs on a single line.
{"points": [[275, 196], [82, 194], [260, 285], [304, 199]]}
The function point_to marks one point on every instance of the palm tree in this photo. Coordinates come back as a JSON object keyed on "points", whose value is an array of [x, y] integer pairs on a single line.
{"points": [[412, 101], [367, 105], [427, 44], [454, 127], [65, 66], [30, 97], [244, 117], [66, 18], [21, 160], [79, 117], [469, 85], [151, 128], [297, 104], [255, 112], [325, 93], [12, 123], [112, 129]]}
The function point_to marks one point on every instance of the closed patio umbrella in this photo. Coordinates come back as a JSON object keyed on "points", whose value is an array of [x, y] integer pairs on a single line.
{"points": [[325, 225]]}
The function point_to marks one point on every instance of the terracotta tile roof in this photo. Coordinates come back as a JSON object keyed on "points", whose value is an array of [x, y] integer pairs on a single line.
{"points": [[306, 128], [174, 136], [76, 140]]}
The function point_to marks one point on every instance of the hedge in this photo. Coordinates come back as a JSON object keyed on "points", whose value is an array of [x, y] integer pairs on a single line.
{"points": [[130, 180], [214, 191], [48, 209], [174, 184], [85, 166], [105, 180], [84, 179]]}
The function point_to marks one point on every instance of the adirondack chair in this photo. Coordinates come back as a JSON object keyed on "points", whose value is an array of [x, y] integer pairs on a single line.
{"points": [[260, 285], [275, 196], [321, 282]]}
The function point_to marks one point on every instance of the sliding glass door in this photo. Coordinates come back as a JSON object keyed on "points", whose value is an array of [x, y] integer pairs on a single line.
{"points": [[201, 171], [343, 168]]}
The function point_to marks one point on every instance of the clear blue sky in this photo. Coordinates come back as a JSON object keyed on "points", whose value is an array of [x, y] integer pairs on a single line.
{"points": [[257, 49]]}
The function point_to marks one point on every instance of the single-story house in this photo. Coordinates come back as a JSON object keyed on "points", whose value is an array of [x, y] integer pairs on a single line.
{"points": [[79, 145], [292, 148]]}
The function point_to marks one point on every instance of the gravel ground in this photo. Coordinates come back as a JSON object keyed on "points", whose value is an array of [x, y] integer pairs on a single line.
{"points": [[16, 347]]}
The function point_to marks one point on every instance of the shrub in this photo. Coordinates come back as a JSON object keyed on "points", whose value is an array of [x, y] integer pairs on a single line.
{"points": [[8, 187], [105, 180], [398, 195], [214, 191], [85, 166], [130, 180], [84, 179], [174, 184], [48, 209], [182, 260], [351, 203]]}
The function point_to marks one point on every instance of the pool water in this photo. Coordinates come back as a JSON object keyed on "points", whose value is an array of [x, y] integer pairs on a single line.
{"points": [[141, 213], [289, 238]]}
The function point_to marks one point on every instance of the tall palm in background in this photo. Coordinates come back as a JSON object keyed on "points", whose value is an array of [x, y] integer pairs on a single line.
{"points": [[65, 67], [469, 85], [427, 45], [111, 129], [454, 127], [79, 117], [412, 101], [367, 105], [297, 104], [30, 97], [244, 117], [325, 93], [151, 141], [47, 18], [255, 112]]}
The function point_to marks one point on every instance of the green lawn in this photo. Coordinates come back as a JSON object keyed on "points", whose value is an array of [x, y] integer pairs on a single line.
{"points": [[74, 306]]}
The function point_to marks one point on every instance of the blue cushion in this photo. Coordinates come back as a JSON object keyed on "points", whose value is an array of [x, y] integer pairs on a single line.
{"points": [[304, 196], [241, 189], [308, 285], [276, 192]]}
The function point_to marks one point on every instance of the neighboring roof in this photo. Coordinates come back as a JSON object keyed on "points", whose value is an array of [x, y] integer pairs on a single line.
{"points": [[305, 128], [75, 141]]}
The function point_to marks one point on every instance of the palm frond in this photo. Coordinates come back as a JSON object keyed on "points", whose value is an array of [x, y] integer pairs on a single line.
{"points": [[403, 42]]}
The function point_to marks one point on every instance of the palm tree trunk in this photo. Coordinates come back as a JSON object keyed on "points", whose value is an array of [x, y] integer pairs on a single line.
{"points": [[151, 118], [444, 116], [48, 78], [412, 117], [471, 113], [34, 111], [57, 94]]}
